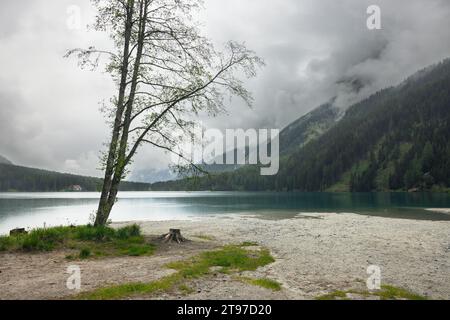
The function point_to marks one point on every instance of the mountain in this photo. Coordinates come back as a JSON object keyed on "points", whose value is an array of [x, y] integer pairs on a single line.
{"points": [[23, 179], [152, 176], [292, 138], [3, 160], [308, 128], [396, 139]]}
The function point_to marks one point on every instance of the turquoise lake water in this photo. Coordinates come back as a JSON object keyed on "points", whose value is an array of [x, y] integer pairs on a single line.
{"points": [[30, 210]]}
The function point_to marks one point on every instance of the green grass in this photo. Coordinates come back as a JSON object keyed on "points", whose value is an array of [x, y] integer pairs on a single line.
{"points": [[387, 292], [233, 258], [85, 253], [88, 240], [393, 293], [237, 258], [130, 289], [185, 289], [336, 295], [249, 244], [264, 283]]}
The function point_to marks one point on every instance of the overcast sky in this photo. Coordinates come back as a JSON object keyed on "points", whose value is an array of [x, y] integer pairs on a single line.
{"points": [[49, 109]]}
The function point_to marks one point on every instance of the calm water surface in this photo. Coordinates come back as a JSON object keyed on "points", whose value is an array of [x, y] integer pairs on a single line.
{"points": [[29, 210]]}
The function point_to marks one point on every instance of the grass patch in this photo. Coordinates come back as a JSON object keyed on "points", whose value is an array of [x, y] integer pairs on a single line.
{"points": [[336, 295], [231, 258], [387, 292], [249, 244], [85, 253], [185, 289], [130, 289], [237, 258], [264, 283], [88, 240]]}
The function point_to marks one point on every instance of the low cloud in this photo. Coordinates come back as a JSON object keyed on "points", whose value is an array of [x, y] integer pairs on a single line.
{"points": [[315, 51]]}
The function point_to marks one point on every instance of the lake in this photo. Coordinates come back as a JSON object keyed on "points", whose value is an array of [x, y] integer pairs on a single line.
{"points": [[30, 210]]}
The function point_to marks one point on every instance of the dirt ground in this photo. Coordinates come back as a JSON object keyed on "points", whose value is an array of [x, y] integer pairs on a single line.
{"points": [[44, 275]]}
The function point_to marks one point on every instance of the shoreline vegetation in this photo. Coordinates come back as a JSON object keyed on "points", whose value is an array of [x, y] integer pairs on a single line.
{"points": [[84, 241], [228, 257]]}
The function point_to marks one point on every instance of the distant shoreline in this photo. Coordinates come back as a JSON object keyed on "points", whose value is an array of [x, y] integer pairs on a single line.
{"points": [[439, 210]]}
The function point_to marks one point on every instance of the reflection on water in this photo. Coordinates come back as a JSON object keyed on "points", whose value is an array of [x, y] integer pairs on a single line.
{"points": [[36, 209]]}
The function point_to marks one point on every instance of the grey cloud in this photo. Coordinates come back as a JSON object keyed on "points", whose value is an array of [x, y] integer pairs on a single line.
{"points": [[313, 47], [315, 50]]}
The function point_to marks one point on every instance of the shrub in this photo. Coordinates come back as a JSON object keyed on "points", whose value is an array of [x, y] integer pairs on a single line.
{"points": [[43, 239], [129, 232], [125, 239], [90, 233], [85, 253]]}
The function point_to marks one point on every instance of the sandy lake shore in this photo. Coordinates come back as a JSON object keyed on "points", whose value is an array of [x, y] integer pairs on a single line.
{"points": [[315, 254]]}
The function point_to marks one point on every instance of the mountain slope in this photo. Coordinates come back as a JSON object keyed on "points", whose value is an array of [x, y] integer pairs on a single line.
{"points": [[307, 128], [23, 179], [397, 139], [292, 138], [152, 176], [3, 160]]}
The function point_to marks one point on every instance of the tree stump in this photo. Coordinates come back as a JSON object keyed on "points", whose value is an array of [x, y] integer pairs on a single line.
{"points": [[173, 236], [17, 231]]}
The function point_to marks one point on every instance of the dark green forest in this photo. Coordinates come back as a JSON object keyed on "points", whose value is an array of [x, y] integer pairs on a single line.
{"points": [[397, 139], [22, 179]]}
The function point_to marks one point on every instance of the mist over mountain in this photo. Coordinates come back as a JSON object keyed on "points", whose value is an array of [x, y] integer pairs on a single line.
{"points": [[396, 139], [152, 175], [307, 128], [3, 160]]}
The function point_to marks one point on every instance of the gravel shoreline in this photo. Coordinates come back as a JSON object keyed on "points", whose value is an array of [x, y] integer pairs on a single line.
{"points": [[319, 253], [316, 254]]}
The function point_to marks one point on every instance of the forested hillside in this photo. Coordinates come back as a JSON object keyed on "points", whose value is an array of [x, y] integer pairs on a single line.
{"points": [[397, 139], [307, 128], [22, 179]]}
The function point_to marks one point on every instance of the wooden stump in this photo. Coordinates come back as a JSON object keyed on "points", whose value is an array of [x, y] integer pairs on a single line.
{"points": [[173, 236], [18, 231]]}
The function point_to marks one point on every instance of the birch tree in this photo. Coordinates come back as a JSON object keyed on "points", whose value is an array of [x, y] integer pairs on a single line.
{"points": [[166, 73]]}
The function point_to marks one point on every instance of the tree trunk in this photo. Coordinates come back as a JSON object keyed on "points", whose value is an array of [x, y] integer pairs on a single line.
{"points": [[173, 236], [104, 206], [115, 172]]}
